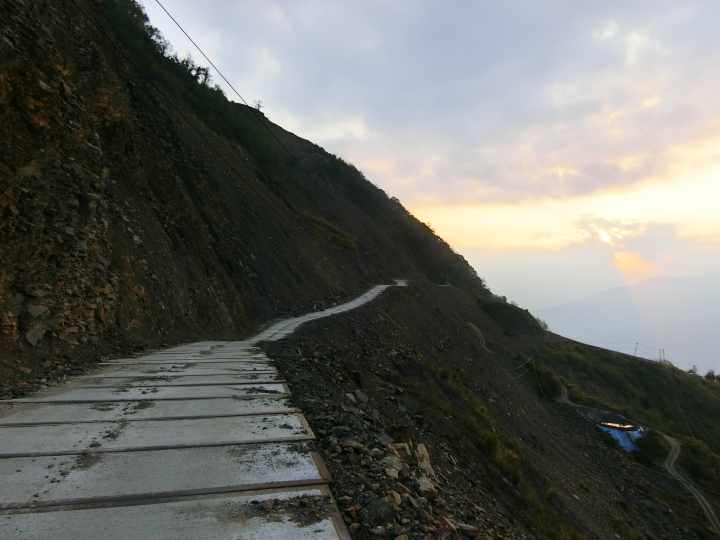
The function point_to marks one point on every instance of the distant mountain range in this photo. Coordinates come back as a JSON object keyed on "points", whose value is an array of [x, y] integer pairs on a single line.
{"points": [[679, 315]]}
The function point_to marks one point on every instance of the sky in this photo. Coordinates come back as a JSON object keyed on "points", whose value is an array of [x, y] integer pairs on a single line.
{"points": [[562, 147]]}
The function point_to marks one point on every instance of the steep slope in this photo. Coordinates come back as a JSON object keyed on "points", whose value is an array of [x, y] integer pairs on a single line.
{"points": [[138, 205], [658, 395], [508, 461]]}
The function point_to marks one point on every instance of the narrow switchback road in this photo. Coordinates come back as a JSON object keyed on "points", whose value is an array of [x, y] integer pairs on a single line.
{"points": [[669, 465], [196, 441], [482, 338], [564, 398]]}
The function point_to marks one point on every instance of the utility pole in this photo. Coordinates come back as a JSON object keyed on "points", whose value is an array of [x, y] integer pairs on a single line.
{"points": [[636, 346]]}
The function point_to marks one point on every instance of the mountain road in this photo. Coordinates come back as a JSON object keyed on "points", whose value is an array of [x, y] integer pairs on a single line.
{"points": [[669, 466], [195, 441]]}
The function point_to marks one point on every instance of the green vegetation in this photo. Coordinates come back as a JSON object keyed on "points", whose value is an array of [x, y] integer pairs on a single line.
{"points": [[513, 320], [581, 398], [150, 51], [459, 318], [243, 125], [550, 385], [652, 449], [419, 242], [478, 426], [333, 233], [545, 519], [545, 326], [701, 463], [508, 461], [625, 527], [652, 393], [655, 394]]}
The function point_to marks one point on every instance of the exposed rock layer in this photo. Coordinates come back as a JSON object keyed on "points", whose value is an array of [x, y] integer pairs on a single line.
{"points": [[123, 215]]}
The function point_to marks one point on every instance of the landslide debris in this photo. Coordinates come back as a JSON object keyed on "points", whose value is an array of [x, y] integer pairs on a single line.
{"points": [[139, 207], [425, 431]]}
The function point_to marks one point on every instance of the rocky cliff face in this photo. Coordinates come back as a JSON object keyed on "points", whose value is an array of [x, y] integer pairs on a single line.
{"points": [[125, 218], [137, 208]]}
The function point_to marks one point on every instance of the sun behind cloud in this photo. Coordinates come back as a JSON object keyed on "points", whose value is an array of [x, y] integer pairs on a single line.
{"points": [[633, 265]]}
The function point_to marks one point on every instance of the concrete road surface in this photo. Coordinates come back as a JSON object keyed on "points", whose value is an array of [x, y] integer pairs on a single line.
{"points": [[196, 441]]}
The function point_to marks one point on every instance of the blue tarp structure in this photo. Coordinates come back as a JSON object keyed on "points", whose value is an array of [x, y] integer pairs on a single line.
{"points": [[626, 439]]}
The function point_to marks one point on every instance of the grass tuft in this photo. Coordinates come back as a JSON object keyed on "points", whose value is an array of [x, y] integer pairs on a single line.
{"points": [[332, 232]]}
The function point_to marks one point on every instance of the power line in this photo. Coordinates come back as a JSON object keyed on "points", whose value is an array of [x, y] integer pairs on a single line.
{"points": [[302, 168], [634, 343], [648, 468], [512, 379], [257, 115], [371, 245], [683, 417], [704, 428], [677, 479], [206, 57], [540, 385], [184, 117], [524, 363], [260, 119], [390, 265], [675, 394]]}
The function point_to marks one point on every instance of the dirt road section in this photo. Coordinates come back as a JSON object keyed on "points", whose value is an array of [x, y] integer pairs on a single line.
{"points": [[481, 337], [194, 441], [669, 465]]}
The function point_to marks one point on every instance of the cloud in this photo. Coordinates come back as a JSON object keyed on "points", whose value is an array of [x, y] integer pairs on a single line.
{"points": [[633, 44], [537, 278], [608, 231], [514, 125], [337, 128], [635, 265]]}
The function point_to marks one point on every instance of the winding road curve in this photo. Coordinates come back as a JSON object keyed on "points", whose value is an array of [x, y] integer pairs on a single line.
{"points": [[482, 338], [669, 466], [196, 441]]}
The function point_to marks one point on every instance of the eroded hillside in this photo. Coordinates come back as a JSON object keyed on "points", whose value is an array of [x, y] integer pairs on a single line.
{"points": [[139, 207], [508, 459], [126, 219]]}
